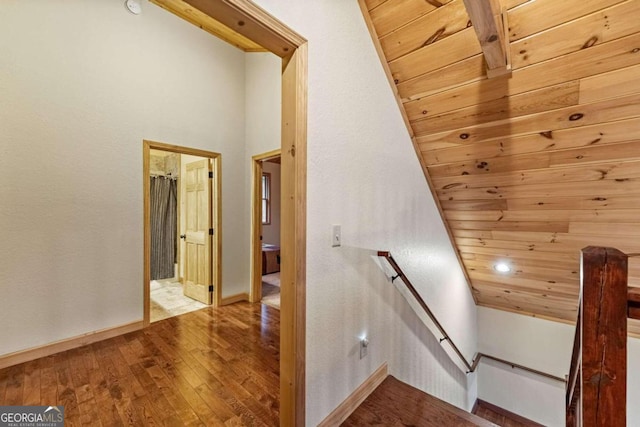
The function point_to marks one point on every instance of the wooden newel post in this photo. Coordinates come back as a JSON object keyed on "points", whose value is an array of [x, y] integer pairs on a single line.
{"points": [[603, 325]]}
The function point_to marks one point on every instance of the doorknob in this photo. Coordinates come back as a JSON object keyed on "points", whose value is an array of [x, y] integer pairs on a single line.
{"points": [[183, 236]]}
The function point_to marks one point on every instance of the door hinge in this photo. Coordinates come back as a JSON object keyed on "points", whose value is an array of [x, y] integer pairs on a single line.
{"points": [[211, 175], [211, 232], [210, 288]]}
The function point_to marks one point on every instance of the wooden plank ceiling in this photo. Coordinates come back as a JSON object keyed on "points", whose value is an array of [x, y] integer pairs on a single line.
{"points": [[532, 167]]}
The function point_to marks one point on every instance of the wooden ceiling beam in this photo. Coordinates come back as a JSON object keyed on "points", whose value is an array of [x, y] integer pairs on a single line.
{"points": [[490, 24]]}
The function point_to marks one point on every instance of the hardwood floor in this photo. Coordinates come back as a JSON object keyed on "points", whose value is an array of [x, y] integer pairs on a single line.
{"points": [[501, 416], [211, 367], [397, 404]]}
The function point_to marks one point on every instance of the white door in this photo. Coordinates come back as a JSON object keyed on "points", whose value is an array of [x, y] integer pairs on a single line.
{"points": [[198, 282]]}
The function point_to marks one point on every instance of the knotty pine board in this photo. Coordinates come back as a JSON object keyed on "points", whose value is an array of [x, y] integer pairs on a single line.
{"points": [[579, 215], [570, 189], [393, 14], [576, 116], [495, 171], [536, 101], [601, 58], [457, 74], [551, 140], [580, 173], [428, 29], [457, 47], [583, 33], [539, 15], [630, 200]]}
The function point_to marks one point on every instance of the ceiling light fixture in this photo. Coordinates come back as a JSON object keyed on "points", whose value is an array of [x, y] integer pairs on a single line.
{"points": [[502, 267], [133, 6]]}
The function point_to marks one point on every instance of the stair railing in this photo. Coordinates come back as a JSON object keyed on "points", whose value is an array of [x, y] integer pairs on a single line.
{"points": [[470, 367]]}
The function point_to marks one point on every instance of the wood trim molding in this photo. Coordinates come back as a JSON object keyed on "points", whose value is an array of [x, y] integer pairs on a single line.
{"points": [[216, 260], [355, 399], [248, 19], [293, 238], [232, 299], [67, 344]]}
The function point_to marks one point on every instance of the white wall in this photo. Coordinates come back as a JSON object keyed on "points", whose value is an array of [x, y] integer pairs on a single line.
{"points": [[262, 129], [271, 232], [364, 175], [81, 85], [633, 382], [535, 343], [263, 100], [545, 346]]}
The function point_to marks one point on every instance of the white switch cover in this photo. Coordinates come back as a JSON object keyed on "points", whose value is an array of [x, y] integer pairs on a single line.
{"points": [[336, 236]]}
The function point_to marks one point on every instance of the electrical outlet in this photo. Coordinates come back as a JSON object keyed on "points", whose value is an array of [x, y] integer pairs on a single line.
{"points": [[336, 236], [364, 347]]}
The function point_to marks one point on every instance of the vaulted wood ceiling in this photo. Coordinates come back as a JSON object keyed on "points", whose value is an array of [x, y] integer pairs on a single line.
{"points": [[528, 168]]}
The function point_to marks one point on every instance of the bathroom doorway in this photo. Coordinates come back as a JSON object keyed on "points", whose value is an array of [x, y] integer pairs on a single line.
{"points": [[182, 228]]}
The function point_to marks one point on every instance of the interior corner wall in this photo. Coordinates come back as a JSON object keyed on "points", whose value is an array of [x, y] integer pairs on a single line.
{"points": [[364, 175], [535, 343], [81, 85], [263, 99]]}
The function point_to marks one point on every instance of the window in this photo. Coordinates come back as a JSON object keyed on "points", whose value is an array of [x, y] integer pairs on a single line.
{"points": [[266, 198]]}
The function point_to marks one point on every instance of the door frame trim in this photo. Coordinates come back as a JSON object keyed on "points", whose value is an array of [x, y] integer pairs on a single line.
{"points": [[256, 222], [216, 219], [253, 22]]}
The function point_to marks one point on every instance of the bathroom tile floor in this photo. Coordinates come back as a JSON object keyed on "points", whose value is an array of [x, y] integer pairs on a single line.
{"points": [[168, 300]]}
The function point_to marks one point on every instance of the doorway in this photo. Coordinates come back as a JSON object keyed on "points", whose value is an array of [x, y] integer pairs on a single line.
{"points": [[266, 229], [182, 230]]}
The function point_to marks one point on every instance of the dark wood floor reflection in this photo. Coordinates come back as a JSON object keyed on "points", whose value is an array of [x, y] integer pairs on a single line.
{"points": [[212, 367]]}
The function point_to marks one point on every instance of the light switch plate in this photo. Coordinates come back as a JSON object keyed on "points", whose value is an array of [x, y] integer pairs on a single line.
{"points": [[336, 236]]}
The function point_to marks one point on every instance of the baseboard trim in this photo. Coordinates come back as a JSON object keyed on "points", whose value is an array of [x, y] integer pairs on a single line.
{"points": [[235, 298], [22, 356], [355, 399]]}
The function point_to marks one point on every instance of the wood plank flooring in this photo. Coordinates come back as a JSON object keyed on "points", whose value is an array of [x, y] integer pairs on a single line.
{"points": [[397, 404], [501, 417], [211, 367]]}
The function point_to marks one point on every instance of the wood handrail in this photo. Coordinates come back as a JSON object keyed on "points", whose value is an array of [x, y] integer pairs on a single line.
{"points": [[476, 361], [471, 367]]}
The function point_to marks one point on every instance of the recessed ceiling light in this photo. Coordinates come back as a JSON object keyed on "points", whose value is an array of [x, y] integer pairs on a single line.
{"points": [[502, 267]]}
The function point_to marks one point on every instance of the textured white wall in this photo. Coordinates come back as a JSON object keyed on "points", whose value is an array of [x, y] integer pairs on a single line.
{"points": [[263, 100], [535, 343], [262, 129], [271, 232], [364, 175], [633, 382], [81, 85]]}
